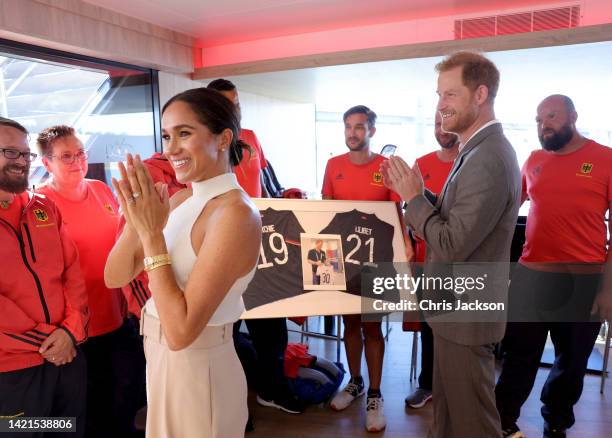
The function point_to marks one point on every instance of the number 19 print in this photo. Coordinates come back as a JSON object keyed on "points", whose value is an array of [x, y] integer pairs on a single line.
{"points": [[279, 270]]}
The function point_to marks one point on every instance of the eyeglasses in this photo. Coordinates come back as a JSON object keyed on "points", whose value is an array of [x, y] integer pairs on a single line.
{"points": [[68, 158], [13, 154]]}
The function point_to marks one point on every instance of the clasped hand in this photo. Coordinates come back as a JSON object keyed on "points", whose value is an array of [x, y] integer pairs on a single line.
{"points": [[407, 182], [58, 348], [145, 205]]}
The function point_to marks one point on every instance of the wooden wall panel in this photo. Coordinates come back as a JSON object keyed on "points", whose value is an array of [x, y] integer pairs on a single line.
{"points": [[81, 28]]}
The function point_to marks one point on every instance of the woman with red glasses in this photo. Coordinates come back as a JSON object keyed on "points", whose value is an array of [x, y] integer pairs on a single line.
{"points": [[115, 362]]}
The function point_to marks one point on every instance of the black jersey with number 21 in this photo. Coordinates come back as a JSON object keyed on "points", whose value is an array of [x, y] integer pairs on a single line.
{"points": [[366, 240]]}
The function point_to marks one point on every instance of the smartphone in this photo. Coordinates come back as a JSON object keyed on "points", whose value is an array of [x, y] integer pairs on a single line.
{"points": [[388, 150]]}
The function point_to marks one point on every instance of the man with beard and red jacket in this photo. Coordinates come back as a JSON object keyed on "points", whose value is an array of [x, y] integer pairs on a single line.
{"points": [[43, 302]]}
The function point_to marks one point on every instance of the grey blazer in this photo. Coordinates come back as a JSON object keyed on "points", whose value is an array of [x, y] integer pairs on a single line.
{"points": [[473, 220]]}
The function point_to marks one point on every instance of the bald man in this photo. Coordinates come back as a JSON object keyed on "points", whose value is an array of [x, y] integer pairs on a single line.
{"points": [[554, 286]]}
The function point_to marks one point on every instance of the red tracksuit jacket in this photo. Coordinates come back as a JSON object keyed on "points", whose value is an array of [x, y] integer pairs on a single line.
{"points": [[41, 286]]}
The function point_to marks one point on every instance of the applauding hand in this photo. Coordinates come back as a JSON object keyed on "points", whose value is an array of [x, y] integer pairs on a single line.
{"points": [[144, 204], [401, 178]]}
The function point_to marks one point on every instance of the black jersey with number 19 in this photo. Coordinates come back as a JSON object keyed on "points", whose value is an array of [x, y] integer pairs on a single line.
{"points": [[279, 271]]}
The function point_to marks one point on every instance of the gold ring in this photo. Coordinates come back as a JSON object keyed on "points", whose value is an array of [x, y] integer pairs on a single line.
{"points": [[136, 195]]}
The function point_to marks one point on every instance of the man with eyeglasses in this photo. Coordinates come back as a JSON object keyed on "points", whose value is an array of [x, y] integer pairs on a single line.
{"points": [[43, 303]]}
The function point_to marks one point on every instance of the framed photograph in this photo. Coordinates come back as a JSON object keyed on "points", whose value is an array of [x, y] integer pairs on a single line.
{"points": [[322, 262], [361, 232]]}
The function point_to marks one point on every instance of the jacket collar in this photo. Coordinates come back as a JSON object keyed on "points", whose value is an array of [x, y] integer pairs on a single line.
{"points": [[474, 141], [470, 146]]}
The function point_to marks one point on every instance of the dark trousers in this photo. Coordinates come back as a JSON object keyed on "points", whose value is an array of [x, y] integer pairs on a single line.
{"points": [[427, 344], [316, 279], [524, 343], [427, 355], [46, 391], [115, 381], [269, 337]]}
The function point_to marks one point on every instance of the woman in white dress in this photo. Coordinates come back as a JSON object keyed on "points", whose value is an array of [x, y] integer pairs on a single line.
{"points": [[200, 249]]}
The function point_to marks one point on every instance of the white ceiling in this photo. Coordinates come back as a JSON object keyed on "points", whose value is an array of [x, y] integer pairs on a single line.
{"points": [[215, 22]]}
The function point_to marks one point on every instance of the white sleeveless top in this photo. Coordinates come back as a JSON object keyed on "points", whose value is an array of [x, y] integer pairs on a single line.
{"points": [[178, 241]]}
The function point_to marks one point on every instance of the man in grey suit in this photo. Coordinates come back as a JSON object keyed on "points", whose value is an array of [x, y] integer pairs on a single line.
{"points": [[470, 223]]}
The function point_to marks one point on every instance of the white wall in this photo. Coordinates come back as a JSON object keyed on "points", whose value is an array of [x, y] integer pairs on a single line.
{"points": [[286, 131], [172, 83]]}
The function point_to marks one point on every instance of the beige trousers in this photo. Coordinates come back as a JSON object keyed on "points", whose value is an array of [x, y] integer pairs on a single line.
{"points": [[197, 392]]}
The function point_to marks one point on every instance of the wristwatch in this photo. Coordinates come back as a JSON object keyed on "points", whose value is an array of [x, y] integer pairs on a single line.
{"points": [[156, 261]]}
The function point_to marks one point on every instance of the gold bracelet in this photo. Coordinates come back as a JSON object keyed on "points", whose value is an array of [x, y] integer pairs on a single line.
{"points": [[156, 265], [150, 261]]}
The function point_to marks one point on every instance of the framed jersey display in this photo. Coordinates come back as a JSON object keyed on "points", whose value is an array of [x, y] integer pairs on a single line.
{"points": [[322, 262], [314, 253]]}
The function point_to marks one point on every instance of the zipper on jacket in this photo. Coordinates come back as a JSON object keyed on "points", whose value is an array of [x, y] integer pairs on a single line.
{"points": [[27, 265], [27, 230]]}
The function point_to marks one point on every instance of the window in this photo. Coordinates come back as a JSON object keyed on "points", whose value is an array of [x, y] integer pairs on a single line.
{"points": [[403, 94], [111, 106]]}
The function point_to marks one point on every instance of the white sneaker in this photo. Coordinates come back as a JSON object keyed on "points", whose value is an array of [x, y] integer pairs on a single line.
{"points": [[345, 397], [375, 415]]}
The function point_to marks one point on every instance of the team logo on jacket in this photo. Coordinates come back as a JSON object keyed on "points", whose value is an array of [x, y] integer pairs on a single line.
{"points": [[41, 215], [377, 177], [586, 167], [109, 208]]}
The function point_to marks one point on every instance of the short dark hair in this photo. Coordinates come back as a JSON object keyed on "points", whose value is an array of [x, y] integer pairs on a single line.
{"points": [[13, 124], [215, 112], [361, 109], [221, 85], [47, 136], [476, 70]]}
